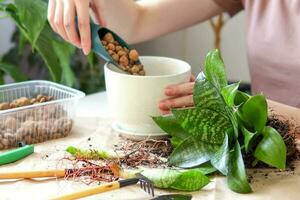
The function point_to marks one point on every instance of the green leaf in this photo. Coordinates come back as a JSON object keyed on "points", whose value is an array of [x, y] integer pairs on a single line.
{"points": [[64, 51], [21, 43], [44, 46], [175, 142], [191, 180], [205, 95], [2, 6], [249, 138], [240, 98], [215, 69], [2, 78], [255, 112], [205, 124], [33, 15], [168, 124], [192, 152], [183, 180], [91, 60], [13, 71], [236, 177], [206, 168], [221, 157], [229, 92], [91, 154], [271, 149]]}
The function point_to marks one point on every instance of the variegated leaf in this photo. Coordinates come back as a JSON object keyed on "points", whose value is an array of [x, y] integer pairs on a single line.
{"points": [[207, 125], [183, 180], [169, 124], [215, 69], [192, 152], [229, 92], [237, 177], [205, 95], [221, 157]]}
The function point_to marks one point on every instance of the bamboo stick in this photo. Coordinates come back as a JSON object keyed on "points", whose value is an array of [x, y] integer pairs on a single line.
{"points": [[90, 191], [32, 174]]}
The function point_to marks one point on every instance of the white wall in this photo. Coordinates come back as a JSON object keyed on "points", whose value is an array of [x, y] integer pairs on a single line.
{"points": [[191, 45]]}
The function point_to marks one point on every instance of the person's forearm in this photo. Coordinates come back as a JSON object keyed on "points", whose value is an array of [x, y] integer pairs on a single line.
{"points": [[147, 19], [120, 16], [159, 17]]}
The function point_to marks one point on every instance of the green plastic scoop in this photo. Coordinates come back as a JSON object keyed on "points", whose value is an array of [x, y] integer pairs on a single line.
{"points": [[16, 154], [97, 33]]}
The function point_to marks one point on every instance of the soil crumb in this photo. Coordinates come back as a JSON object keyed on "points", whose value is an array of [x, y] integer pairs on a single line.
{"points": [[148, 153], [289, 135]]}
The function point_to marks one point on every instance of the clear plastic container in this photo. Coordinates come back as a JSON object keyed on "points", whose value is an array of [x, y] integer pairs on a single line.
{"points": [[37, 122]]}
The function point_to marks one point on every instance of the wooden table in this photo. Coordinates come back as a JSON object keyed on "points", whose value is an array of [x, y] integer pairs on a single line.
{"points": [[93, 123]]}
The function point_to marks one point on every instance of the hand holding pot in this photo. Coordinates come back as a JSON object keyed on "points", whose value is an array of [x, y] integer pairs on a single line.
{"points": [[181, 95]]}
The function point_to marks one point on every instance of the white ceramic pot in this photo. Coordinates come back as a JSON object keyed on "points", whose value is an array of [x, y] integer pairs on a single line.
{"points": [[134, 99]]}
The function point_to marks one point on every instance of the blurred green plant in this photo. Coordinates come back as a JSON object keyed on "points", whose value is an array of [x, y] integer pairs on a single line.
{"points": [[37, 48]]}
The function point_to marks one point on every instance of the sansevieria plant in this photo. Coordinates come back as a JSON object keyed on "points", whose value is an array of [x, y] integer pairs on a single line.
{"points": [[224, 125]]}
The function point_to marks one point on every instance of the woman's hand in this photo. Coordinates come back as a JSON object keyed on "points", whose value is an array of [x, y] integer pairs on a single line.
{"points": [[61, 16], [132, 20], [118, 15], [180, 96]]}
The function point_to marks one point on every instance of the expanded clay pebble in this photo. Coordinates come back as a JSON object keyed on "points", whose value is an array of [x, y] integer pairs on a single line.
{"points": [[24, 101], [32, 131], [4, 106], [33, 125], [127, 59], [108, 37]]}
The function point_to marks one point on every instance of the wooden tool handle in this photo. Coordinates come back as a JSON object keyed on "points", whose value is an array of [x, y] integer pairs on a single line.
{"points": [[90, 191], [32, 174]]}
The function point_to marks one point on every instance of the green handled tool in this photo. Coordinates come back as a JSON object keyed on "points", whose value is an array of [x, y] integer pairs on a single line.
{"points": [[16, 154]]}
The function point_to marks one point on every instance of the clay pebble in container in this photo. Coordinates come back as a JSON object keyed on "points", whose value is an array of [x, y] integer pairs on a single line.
{"points": [[128, 60], [113, 49], [36, 111]]}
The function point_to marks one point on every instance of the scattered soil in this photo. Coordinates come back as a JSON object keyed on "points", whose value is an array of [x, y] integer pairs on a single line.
{"points": [[88, 171], [154, 153], [288, 133], [148, 153]]}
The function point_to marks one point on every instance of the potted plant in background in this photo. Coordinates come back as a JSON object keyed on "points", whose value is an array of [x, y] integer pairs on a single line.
{"points": [[37, 48]]}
